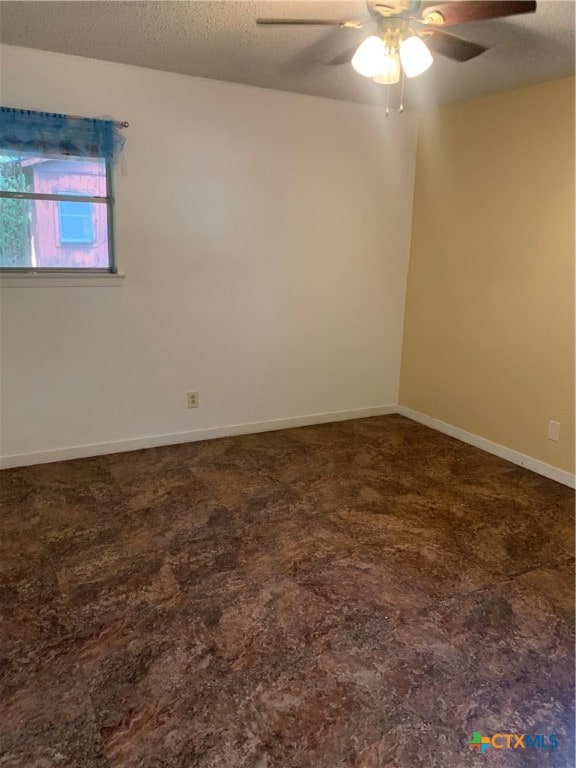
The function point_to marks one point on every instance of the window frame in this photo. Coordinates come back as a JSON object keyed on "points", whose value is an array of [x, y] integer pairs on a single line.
{"points": [[108, 201]]}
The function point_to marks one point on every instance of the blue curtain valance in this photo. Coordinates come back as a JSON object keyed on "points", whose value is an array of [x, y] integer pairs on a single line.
{"points": [[24, 130]]}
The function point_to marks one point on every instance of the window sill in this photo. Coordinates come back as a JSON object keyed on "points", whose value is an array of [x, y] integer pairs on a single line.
{"points": [[54, 280]]}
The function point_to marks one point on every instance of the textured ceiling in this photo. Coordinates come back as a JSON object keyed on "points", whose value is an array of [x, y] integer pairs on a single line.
{"points": [[221, 40]]}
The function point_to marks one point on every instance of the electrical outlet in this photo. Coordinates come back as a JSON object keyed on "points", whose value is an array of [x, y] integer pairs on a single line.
{"points": [[553, 430], [193, 399]]}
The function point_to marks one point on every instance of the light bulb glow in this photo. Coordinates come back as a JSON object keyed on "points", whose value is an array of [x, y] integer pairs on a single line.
{"points": [[370, 57], [415, 56], [390, 73]]}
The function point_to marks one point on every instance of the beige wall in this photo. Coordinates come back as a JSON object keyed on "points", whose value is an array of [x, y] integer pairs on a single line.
{"points": [[489, 323], [249, 225]]}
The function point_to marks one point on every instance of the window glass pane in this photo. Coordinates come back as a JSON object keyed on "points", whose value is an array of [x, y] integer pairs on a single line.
{"points": [[48, 234], [15, 244], [52, 174]]}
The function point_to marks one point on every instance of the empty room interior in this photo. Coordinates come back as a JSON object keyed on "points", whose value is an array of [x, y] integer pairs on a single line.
{"points": [[287, 384]]}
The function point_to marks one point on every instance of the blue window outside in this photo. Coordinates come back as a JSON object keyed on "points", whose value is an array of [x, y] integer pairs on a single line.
{"points": [[76, 222]]}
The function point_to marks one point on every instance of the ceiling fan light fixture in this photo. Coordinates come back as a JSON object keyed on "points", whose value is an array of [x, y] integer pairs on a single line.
{"points": [[390, 73], [415, 56], [370, 58]]}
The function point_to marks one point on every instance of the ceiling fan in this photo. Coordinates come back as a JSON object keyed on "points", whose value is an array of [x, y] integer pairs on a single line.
{"points": [[409, 31]]}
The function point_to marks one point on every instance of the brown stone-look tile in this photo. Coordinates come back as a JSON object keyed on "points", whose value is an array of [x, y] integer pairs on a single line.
{"points": [[362, 594], [49, 720]]}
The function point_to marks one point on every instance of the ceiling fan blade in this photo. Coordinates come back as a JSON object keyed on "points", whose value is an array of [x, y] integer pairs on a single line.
{"points": [[477, 10], [453, 47], [315, 22]]}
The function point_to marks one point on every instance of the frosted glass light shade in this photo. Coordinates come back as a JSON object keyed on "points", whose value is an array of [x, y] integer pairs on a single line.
{"points": [[415, 56], [390, 73], [370, 57]]}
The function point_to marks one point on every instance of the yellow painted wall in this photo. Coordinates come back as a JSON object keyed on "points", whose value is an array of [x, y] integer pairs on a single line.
{"points": [[489, 323]]}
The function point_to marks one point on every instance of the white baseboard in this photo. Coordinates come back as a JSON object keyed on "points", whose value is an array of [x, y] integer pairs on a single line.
{"points": [[154, 441], [540, 467]]}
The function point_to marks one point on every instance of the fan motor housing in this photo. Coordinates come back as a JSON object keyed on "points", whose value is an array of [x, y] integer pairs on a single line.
{"points": [[388, 9]]}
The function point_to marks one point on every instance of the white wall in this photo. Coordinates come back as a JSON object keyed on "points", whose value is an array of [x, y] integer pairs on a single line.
{"points": [[264, 237]]}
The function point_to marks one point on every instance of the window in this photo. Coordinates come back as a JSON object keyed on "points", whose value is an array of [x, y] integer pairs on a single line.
{"points": [[76, 222], [55, 192], [54, 212]]}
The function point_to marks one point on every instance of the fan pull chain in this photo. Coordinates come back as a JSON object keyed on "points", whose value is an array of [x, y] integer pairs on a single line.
{"points": [[401, 107], [387, 99]]}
